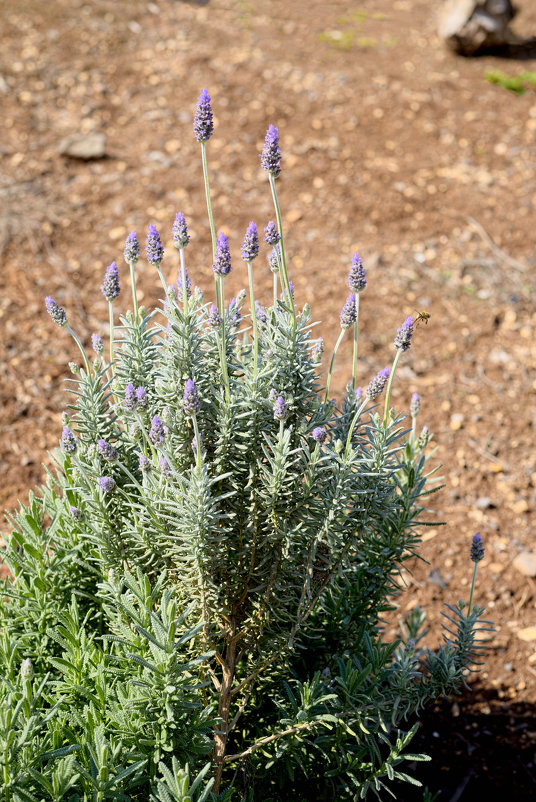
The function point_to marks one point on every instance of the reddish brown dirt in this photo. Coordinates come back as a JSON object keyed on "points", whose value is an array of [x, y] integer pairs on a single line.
{"points": [[392, 146]]}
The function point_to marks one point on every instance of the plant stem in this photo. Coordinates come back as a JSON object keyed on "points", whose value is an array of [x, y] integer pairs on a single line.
{"points": [[80, 346], [330, 371], [197, 440], [356, 335], [282, 247], [220, 295], [472, 590], [224, 707], [275, 290], [389, 385], [183, 279], [134, 295], [254, 320], [210, 215], [111, 316]]}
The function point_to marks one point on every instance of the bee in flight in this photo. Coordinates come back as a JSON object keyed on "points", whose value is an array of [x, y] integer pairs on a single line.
{"points": [[423, 317]]}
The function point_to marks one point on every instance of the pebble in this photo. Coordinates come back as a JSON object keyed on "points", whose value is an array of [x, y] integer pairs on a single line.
{"points": [[456, 421], [525, 563], [83, 146], [436, 579], [484, 503], [527, 634]]}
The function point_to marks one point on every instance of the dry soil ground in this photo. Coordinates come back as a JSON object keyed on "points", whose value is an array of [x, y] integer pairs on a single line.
{"points": [[393, 147]]}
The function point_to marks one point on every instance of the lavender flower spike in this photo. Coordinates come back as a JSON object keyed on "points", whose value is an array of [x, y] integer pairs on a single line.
{"points": [[317, 351], [110, 287], [375, 388], [203, 119], [191, 403], [271, 152], [280, 409], [250, 245], [154, 248], [415, 406], [145, 464], [214, 317], [56, 312], [132, 248], [181, 238], [141, 397], [356, 278], [404, 334], [157, 433], [348, 312], [222, 257], [97, 344], [274, 259], [107, 451], [68, 440], [130, 396], [319, 435], [107, 484], [271, 234], [477, 548]]}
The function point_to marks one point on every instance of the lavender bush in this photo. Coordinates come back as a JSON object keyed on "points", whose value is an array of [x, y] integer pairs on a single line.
{"points": [[197, 594]]}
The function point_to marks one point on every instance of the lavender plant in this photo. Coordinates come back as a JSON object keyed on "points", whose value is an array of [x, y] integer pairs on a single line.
{"points": [[197, 595]]}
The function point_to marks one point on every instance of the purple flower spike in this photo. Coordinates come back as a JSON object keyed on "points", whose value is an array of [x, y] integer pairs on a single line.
{"points": [[280, 409], [107, 484], [358, 392], [271, 234], [250, 245], [317, 351], [274, 259], [191, 403], [356, 278], [130, 396], [222, 257], [271, 152], [145, 464], [56, 312], [375, 388], [477, 548], [164, 466], [154, 248], [76, 513], [141, 397], [107, 451], [157, 432], [97, 344], [415, 406], [68, 440], [203, 119], [404, 334], [181, 238], [260, 313], [319, 435], [348, 316], [188, 284], [132, 248], [214, 317], [234, 315], [110, 287]]}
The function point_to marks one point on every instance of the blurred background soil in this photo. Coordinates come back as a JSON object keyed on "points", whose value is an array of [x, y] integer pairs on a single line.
{"points": [[393, 147]]}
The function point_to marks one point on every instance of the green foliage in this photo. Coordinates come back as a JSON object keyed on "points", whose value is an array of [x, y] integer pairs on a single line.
{"points": [[210, 624], [518, 84]]}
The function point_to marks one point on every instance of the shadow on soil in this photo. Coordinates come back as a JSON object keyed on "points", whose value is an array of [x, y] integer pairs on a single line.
{"points": [[482, 747]]}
